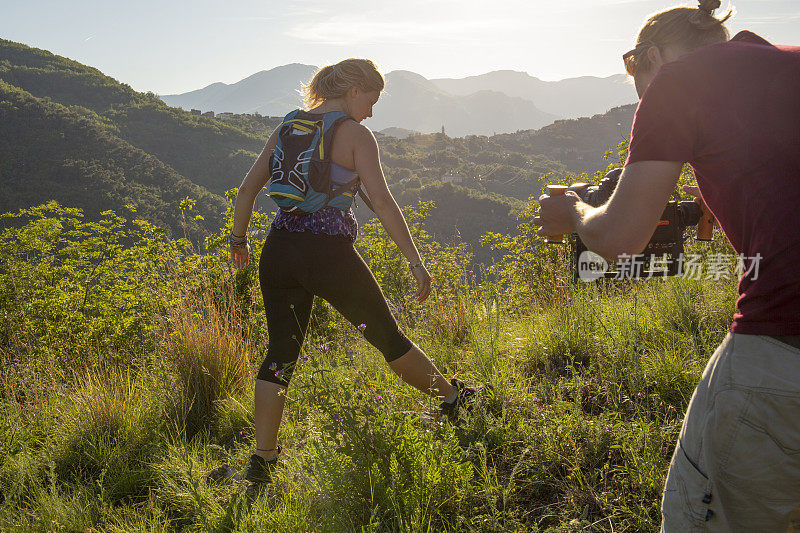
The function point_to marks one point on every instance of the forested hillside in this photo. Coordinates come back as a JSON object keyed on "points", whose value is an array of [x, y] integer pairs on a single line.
{"points": [[577, 143], [210, 152], [48, 151]]}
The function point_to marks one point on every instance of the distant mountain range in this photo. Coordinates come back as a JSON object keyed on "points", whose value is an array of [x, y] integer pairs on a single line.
{"points": [[570, 98], [272, 92], [497, 102]]}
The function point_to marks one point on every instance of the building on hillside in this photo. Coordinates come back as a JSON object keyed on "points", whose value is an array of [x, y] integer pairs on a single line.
{"points": [[451, 178], [209, 114], [225, 115], [196, 112]]}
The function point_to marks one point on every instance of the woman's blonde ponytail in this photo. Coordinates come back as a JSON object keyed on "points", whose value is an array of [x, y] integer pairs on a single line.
{"points": [[334, 81]]}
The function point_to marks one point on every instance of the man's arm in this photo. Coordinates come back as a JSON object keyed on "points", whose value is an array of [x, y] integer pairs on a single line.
{"points": [[625, 223]]}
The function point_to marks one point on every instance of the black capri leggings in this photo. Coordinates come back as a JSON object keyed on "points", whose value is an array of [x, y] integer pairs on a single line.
{"points": [[296, 266]]}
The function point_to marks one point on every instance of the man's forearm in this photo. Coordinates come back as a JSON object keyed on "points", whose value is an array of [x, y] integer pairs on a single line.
{"points": [[596, 230]]}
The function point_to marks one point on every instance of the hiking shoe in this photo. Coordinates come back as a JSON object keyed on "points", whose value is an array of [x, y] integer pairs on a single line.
{"points": [[464, 401], [223, 474], [259, 470]]}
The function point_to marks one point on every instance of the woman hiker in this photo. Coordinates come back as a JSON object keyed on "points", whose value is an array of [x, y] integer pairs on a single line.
{"points": [[312, 254]]}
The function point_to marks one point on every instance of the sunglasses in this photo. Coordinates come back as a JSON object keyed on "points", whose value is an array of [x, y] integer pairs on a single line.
{"points": [[629, 58]]}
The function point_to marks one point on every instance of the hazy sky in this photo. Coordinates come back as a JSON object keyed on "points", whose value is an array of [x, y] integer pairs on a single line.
{"points": [[172, 46]]}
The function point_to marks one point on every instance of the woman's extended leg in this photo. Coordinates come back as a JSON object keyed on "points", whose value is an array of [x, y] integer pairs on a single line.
{"points": [[416, 369], [338, 274]]}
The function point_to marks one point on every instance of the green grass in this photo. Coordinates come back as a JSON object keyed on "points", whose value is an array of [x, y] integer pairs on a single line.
{"points": [[582, 394]]}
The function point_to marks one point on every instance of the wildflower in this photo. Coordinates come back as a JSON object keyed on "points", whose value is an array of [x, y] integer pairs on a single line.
{"points": [[642, 394], [273, 366], [362, 326], [15, 361], [324, 347], [378, 398]]}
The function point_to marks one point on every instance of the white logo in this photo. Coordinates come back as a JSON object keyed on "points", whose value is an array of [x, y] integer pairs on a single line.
{"points": [[591, 266]]}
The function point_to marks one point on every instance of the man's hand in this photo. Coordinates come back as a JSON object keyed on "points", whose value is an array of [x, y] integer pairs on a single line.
{"points": [[625, 223], [557, 214], [698, 198], [705, 227], [240, 255]]}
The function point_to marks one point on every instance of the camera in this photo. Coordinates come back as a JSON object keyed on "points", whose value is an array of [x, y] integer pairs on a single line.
{"points": [[665, 247]]}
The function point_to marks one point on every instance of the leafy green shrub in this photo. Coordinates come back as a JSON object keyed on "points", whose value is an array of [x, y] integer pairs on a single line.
{"points": [[69, 287]]}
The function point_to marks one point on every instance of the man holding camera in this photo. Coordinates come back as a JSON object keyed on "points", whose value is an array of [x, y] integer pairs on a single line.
{"points": [[730, 108]]}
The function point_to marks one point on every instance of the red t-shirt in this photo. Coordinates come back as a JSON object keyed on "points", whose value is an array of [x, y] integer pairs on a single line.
{"points": [[732, 110]]}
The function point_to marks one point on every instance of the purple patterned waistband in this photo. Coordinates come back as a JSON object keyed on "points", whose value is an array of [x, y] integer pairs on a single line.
{"points": [[328, 220]]}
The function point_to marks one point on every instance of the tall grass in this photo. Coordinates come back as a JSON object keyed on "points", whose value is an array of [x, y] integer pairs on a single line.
{"points": [[205, 348]]}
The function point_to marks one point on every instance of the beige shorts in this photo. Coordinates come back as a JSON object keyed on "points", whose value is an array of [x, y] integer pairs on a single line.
{"points": [[736, 466]]}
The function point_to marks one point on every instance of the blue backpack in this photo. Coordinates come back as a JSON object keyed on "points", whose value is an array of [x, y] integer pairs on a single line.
{"points": [[300, 166]]}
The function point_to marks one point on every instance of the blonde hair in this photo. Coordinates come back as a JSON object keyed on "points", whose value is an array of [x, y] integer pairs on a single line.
{"points": [[684, 26], [334, 81]]}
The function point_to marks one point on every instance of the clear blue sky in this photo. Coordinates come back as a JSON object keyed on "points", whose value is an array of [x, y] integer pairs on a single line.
{"points": [[172, 46]]}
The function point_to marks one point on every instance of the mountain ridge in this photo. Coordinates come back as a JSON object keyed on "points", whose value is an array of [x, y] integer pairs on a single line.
{"points": [[582, 96], [516, 100]]}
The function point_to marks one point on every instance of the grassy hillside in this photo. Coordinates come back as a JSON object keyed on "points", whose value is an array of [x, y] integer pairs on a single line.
{"points": [[126, 375]]}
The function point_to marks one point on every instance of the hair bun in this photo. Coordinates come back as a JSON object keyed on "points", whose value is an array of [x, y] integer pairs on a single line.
{"points": [[709, 5]]}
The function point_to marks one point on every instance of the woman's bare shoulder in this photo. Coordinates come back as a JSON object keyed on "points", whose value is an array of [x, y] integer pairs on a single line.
{"points": [[356, 132]]}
